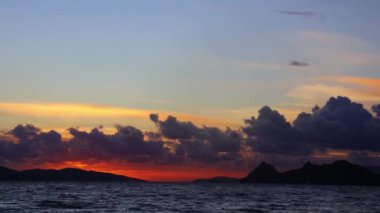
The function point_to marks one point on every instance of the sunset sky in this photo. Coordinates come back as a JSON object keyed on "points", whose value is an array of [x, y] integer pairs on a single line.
{"points": [[201, 66]]}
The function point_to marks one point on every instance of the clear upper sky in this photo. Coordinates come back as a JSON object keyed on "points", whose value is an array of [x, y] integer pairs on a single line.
{"points": [[62, 60]]}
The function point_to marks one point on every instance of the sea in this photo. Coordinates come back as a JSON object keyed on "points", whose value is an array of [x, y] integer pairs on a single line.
{"points": [[185, 197]]}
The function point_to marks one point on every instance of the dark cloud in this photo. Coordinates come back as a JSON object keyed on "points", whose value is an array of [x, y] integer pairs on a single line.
{"points": [[201, 143], [298, 64], [25, 131], [187, 143], [376, 109], [173, 129], [153, 136], [126, 144], [340, 124], [153, 117], [32, 144], [271, 133]]}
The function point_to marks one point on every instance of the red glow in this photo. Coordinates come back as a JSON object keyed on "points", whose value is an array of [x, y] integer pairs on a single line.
{"points": [[156, 173]]}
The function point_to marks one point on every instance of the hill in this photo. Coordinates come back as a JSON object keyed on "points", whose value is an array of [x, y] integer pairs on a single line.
{"points": [[68, 174], [340, 173]]}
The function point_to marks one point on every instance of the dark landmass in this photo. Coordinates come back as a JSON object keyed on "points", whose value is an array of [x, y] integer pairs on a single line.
{"points": [[263, 173], [68, 174], [338, 173], [375, 169], [218, 180], [7, 174]]}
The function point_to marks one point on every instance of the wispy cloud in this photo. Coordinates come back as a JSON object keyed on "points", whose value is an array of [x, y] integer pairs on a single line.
{"points": [[296, 13], [332, 38], [68, 110], [314, 93], [263, 66], [335, 55], [336, 52], [77, 112], [370, 84], [366, 90]]}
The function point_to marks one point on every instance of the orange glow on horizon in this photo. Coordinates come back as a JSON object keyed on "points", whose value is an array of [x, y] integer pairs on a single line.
{"points": [[153, 173]]}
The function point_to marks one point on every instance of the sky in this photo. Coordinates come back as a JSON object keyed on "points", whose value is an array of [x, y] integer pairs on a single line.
{"points": [[200, 65]]}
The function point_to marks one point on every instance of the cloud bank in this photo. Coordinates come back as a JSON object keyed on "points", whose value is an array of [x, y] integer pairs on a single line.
{"points": [[340, 125]]}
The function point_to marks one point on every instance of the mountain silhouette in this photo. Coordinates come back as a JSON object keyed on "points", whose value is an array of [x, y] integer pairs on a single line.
{"points": [[68, 174], [339, 172], [263, 173], [7, 174], [375, 169], [219, 179]]}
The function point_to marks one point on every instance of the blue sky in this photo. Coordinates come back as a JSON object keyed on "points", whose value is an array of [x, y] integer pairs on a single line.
{"points": [[195, 59]]}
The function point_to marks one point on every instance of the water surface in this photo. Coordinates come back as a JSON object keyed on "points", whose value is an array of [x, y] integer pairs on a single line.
{"points": [[165, 197]]}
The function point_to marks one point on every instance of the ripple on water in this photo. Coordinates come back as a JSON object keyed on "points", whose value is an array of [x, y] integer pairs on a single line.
{"points": [[63, 204], [119, 197]]}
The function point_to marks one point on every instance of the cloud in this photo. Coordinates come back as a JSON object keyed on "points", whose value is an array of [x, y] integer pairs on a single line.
{"points": [[126, 144], [296, 13], [173, 129], [175, 142], [340, 124], [340, 128], [25, 132], [262, 66], [299, 64], [366, 86], [362, 89], [68, 110], [271, 133], [205, 144], [34, 146], [335, 52], [316, 92], [376, 109], [335, 39], [87, 113]]}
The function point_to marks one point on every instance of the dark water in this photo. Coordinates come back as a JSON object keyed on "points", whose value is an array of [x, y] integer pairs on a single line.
{"points": [[159, 197]]}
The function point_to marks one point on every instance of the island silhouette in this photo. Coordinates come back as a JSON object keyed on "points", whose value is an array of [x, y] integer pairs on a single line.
{"points": [[67, 174], [340, 172]]}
